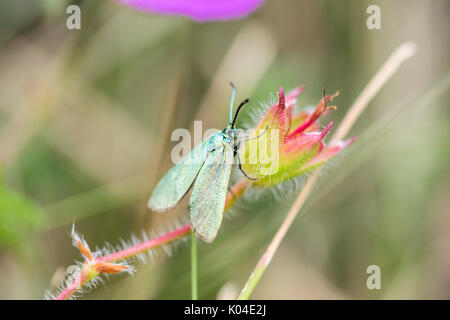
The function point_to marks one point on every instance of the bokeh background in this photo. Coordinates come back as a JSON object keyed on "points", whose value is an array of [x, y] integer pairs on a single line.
{"points": [[85, 123]]}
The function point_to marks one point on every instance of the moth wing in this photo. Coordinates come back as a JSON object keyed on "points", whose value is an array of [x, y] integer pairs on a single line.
{"points": [[208, 196], [178, 180]]}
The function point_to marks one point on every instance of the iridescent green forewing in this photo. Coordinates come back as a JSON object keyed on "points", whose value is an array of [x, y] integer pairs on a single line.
{"points": [[207, 201], [177, 182]]}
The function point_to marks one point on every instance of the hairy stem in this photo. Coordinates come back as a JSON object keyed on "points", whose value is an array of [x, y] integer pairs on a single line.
{"points": [[392, 64], [79, 282], [82, 279], [237, 191]]}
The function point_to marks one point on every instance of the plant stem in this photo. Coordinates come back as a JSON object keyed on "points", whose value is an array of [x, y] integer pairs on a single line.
{"points": [[81, 279], [402, 53], [274, 244], [147, 245], [194, 275]]}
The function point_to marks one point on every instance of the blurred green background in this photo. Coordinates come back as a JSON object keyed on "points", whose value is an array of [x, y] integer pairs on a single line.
{"points": [[85, 123]]}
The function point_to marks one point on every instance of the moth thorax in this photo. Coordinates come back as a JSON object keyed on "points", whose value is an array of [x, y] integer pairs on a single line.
{"points": [[230, 133]]}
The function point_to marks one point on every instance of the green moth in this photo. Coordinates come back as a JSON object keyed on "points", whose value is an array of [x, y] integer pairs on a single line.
{"points": [[206, 170]]}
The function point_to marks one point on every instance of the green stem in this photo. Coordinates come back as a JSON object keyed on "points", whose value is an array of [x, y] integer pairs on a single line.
{"points": [[251, 284], [194, 277]]}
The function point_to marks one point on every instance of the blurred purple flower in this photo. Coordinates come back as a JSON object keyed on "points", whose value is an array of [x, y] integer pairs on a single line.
{"points": [[198, 10]]}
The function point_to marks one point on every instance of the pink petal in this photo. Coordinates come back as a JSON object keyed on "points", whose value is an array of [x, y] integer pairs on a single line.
{"points": [[320, 110], [292, 95], [198, 10], [304, 142], [291, 99], [329, 152], [275, 117]]}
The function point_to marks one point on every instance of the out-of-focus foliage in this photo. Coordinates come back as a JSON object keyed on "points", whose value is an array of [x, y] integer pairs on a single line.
{"points": [[86, 118], [19, 216]]}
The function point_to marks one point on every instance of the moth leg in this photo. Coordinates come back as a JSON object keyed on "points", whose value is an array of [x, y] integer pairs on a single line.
{"points": [[237, 153], [248, 139], [250, 178], [259, 136], [240, 166]]}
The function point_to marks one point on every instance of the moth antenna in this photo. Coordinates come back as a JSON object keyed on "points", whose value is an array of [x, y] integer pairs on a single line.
{"points": [[233, 95], [237, 111]]}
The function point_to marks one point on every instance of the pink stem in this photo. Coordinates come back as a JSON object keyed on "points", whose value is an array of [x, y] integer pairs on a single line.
{"points": [[149, 244], [73, 287], [81, 279], [123, 254]]}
